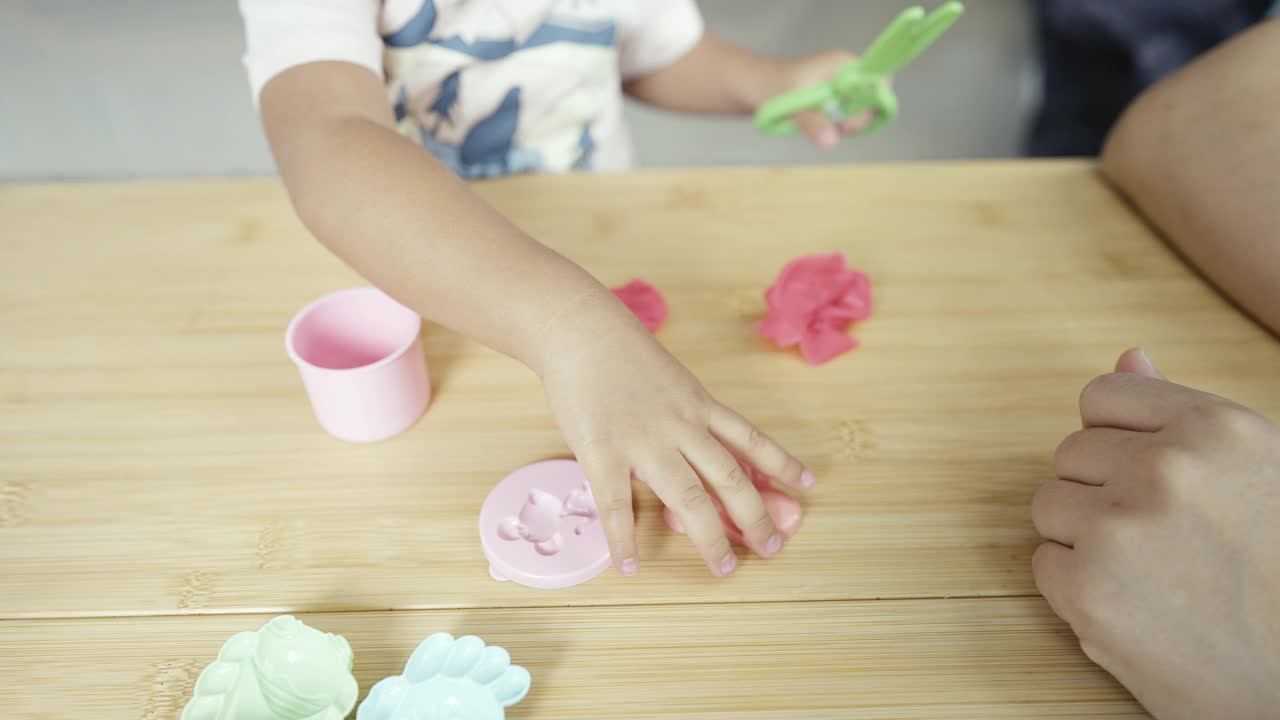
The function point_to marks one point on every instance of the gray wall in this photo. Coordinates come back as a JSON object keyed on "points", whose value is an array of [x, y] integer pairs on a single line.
{"points": [[154, 88]]}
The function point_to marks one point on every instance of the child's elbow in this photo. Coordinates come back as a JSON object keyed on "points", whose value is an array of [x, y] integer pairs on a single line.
{"points": [[314, 206]]}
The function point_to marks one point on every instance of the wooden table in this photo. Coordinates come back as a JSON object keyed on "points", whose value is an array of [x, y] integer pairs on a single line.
{"points": [[163, 484]]}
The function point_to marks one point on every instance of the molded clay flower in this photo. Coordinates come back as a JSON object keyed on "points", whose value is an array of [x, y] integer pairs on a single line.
{"points": [[645, 301], [812, 304]]}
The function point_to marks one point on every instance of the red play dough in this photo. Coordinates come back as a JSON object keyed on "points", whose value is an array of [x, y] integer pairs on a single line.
{"points": [[812, 304], [645, 301]]}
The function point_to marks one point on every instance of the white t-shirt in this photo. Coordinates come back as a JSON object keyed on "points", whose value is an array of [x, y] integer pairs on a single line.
{"points": [[491, 87]]}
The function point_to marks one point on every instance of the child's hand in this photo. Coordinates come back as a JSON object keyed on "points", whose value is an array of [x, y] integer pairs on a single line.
{"points": [[811, 70], [1164, 544], [628, 408]]}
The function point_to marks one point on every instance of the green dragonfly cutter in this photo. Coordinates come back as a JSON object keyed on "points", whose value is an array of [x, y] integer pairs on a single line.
{"points": [[863, 84]]}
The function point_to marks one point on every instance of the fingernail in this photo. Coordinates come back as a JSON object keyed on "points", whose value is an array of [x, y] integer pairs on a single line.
{"points": [[807, 480], [773, 546], [728, 564], [629, 567], [1146, 360]]}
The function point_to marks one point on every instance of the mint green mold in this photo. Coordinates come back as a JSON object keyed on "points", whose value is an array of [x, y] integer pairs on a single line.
{"points": [[449, 679], [284, 671]]}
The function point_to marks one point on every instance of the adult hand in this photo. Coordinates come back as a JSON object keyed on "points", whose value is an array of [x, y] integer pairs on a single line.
{"points": [[1163, 544]]}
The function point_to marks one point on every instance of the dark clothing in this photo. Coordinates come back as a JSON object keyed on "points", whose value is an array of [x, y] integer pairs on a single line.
{"points": [[1098, 55]]}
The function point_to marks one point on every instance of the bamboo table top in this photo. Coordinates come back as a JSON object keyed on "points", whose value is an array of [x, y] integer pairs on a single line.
{"points": [[163, 483]]}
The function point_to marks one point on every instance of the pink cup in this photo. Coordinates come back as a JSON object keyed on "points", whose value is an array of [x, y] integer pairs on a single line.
{"points": [[361, 361]]}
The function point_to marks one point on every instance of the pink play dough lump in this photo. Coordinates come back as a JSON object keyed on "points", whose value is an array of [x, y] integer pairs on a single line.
{"points": [[645, 301], [812, 304]]}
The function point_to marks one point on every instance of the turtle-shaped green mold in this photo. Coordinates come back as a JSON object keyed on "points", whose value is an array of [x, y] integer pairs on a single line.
{"points": [[284, 671]]}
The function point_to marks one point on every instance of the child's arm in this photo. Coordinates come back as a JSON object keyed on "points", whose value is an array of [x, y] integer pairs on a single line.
{"points": [[1199, 155], [718, 77], [407, 223], [402, 219]]}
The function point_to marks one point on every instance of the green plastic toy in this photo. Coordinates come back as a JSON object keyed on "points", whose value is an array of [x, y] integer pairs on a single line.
{"points": [[863, 84], [285, 671]]}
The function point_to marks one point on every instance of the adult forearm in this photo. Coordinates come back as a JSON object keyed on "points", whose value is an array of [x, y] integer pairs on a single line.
{"points": [[1199, 156]]}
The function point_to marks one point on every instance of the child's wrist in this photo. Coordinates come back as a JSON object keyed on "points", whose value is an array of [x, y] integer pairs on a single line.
{"points": [[572, 324], [766, 79]]}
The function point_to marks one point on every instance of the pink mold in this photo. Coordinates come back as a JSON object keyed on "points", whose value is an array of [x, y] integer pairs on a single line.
{"points": [[539, 527], [543, 516]]}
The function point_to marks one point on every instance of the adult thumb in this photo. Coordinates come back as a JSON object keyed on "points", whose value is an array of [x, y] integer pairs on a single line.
{"points": [[1136, 361]]}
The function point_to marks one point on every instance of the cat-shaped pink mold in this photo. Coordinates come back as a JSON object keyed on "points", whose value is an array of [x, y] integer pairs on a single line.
{"points": [[544, 515], [539, 527]]}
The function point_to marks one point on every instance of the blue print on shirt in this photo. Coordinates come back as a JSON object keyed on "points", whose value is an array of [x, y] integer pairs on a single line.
{"points": [[518, 160], [493, 137], [586, 147], [480, 48], [399, 108], [488, 149], [418, 31], [447, 98], [549, 32]]}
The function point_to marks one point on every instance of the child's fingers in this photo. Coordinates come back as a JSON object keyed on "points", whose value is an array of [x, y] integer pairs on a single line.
{"points": [[611, 490], [680, 489], [818, 127], [738, 495], [765, 455], [786, 512], [857, 123]]}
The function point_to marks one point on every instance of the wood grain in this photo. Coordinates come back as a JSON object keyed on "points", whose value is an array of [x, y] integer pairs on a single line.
{"points": [[922, 659], [162, 484], [157, 455]]}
